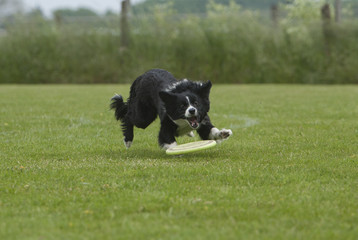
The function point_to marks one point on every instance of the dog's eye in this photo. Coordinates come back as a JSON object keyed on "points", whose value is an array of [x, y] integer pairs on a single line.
{"points": [[195, 104]]}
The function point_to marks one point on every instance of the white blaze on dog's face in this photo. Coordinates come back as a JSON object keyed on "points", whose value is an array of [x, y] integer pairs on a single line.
{"points": [[191, 114], [190, 105], [191, 110]]}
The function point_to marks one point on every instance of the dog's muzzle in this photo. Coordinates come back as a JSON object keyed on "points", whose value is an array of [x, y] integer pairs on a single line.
{"points": [[193, 122], [191, 117]]}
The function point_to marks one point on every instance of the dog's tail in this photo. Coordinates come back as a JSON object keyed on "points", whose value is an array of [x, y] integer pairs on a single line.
{"points": [[119, 106]]}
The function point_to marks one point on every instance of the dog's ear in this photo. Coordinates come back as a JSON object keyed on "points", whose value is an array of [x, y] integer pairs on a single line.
{"points": [[167, 97], [204, 89]]}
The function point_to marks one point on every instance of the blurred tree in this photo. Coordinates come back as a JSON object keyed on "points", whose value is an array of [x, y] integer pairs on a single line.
{"points": [[10, 7], [110, 13], [35, 13], [354, 5], [199, 6], [80, 12]]}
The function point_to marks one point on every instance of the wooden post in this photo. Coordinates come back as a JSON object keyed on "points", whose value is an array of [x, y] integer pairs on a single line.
{"points": [[274, 14], [337, 10], [58, 19], [124, 34], [327, 28], [326, 12], [128, 5]]}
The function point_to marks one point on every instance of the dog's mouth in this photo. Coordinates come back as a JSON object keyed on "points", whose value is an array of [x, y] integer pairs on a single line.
{"points": [[193, 122]]}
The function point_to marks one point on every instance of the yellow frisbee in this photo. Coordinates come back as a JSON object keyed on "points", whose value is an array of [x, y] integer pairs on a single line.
{"points": [[191, 147]]}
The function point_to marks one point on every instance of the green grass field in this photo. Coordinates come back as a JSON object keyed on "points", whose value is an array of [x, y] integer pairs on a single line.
{"points": [[290, 171]]}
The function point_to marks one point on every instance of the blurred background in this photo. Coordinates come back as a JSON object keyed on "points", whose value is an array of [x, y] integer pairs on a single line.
{"points": [[226, 41]]}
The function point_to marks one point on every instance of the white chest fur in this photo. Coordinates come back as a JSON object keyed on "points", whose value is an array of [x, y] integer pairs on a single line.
{"points": [[183, 127]]}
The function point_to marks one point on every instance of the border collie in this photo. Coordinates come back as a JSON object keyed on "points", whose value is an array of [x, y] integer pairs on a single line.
{"points": [[182, 107]]}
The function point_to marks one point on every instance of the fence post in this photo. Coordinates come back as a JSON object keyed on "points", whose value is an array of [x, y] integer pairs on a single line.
{"points": [[337, 10], [326, 13], [327, 28], [58, 19], [124, 27], [274, 14]]}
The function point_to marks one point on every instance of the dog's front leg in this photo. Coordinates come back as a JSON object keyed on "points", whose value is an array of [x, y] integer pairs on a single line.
{"points": [[167, 133], [207, 131]]}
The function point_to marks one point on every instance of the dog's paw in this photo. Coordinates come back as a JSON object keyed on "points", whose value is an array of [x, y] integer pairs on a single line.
{"points": [[225, 133], [128, 144], [191, 134], [220, 135], [166, 146]]}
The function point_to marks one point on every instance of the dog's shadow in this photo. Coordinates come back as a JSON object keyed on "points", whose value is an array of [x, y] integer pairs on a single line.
{"points": [[152, 154]]}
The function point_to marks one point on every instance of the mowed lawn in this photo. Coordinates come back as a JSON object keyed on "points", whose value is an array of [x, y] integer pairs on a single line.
{"points": [[290, 171]]}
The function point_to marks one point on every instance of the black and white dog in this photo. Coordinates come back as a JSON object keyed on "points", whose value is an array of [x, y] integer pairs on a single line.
{"points": [[182, 107]]}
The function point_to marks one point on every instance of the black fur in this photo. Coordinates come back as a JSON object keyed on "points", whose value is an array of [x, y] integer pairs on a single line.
{"points": [[120, 107], [182, 106]]}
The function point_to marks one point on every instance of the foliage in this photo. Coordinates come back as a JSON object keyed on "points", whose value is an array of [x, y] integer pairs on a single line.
{"points": [[199, 6], [303, 10], [288, 172], [185, 6], [214, 8], [229, 45], [80, 12]]}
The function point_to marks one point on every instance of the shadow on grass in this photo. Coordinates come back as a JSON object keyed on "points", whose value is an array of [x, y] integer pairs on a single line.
{"points": [[151, 154]]}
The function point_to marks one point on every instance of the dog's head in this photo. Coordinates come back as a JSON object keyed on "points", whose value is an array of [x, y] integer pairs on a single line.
{"points": [[187, 100]]}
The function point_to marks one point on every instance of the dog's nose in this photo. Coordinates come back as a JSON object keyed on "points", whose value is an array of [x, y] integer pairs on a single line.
{"points": [[192, 110]]}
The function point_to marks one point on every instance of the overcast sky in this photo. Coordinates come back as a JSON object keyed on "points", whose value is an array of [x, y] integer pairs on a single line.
{"points": [[99, 6]]}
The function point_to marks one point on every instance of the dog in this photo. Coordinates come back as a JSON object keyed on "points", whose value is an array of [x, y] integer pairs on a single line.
{"points": [[182, 107]]}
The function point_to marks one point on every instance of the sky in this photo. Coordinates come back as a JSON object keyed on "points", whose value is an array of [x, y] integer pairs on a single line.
{"points": [[100, 6]]}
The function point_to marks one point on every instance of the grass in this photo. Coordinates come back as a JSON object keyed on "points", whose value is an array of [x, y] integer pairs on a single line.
{"points": [[288, 172]]}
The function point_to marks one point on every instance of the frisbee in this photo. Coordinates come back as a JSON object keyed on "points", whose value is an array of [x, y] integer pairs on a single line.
{"points": [[191, 147]]}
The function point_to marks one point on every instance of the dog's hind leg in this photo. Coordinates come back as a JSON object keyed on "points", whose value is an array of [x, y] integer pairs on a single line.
{"points": [[127, 129]]}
